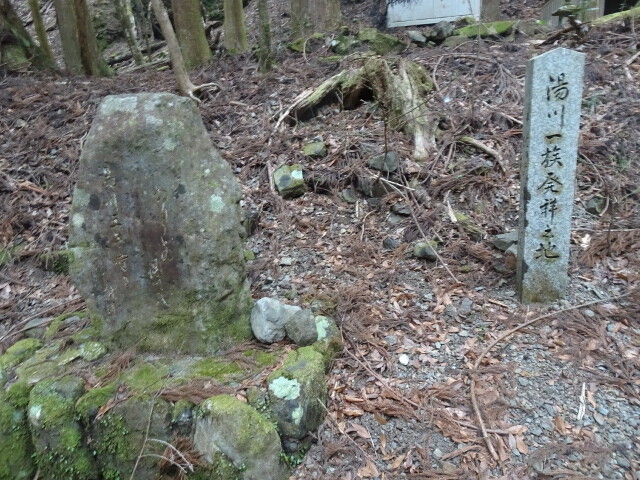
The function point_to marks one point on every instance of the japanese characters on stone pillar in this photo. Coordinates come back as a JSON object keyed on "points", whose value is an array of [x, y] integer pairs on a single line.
{"points": [[553, 96]]}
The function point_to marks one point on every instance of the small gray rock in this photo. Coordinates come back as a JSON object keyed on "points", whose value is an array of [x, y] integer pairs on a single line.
{"points": [[390, 243], [425, 250], [289, 180], [401, 209], [315, 149], [348, 195], [301, 328], [503, 241], [416, 37], [466, 307], [384, 163], [372, 187], [269, 318], [439, 31], [596, 205]]}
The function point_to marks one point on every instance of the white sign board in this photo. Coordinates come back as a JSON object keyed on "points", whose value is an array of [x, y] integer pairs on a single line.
{"points": [[422, 12]]}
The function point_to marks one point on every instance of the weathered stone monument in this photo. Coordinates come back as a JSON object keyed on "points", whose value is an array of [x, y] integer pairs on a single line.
{"points": [[156, 230], [156, 237], [551, 127]]}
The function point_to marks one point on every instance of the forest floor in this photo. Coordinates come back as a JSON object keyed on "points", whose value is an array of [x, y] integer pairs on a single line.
{"points": [[560, 399]]}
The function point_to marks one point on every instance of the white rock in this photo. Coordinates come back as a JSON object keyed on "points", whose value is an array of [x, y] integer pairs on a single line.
{"points": [[404, 359], [269, 318]]}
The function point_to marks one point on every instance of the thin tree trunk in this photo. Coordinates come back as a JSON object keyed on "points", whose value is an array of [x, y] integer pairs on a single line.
{"points": [[68, 30], [311, 16], [235, 30], [41, 32], [190, 32], [128, 25], [264, 38], [185, 86], [79, 46], [92, 61]]}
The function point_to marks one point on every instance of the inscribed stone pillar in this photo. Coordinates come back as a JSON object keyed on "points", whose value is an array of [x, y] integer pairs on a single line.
{"points": [[553, 97], [156, 231]]}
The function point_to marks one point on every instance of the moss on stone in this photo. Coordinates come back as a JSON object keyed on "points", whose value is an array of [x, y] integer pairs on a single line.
{"points": [[306, 44], [59, 449], [89, 404], [249, 439], [265, 359], [113, 441], [216, 368], [329, 342], [380, 43], [617, 16], [55, 324], [16, 457], [56, 261], [18, 352], [220, 468], [146, 378], [500, 28]]}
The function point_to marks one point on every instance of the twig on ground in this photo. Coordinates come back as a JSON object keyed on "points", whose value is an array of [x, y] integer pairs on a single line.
{"points": [[507, 334], [488, 150]]}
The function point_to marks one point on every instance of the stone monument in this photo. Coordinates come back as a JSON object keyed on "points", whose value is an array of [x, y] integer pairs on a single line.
{"points": [[553, 97], [156, 232]]}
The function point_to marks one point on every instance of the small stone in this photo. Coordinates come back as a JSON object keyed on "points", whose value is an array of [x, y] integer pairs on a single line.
{"points": [[286, 261], [439, 31], [523, 381], [404, 359], [401, 209], [603, 411], [466, 307], [437, 453], [425, 250], [416, 37], [315, 149], [623, 462], [503, 241], [349, 195], [599, 418], [269, 318], [301, 328], [390, 243], [372, 187], [384, 163], [596, 205], [537, 431], [289, 180], [391, 340]]}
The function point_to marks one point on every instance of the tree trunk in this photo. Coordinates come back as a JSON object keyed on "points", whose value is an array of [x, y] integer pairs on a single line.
{"points": [[79, 46], [123, 7], [17, 48], [235, 31], [264, 38], [185, 86], [41, 32], [311, 16], [190, 32]]}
